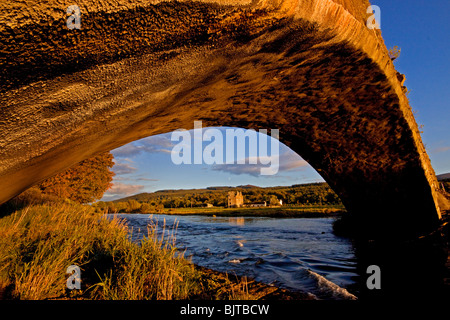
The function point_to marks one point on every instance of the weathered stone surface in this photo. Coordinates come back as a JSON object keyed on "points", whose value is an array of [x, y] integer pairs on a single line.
{"points": [[310, 68]]}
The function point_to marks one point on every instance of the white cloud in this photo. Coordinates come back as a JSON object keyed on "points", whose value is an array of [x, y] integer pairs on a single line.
{"points": [[145, 179], [289, 160], [126, 151], [153, 144], [123, 168], [122, 189], [440, 149]]}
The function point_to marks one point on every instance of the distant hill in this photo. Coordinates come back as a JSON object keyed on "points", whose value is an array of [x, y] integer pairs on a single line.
{"points": [[248, 186], [149, 196], [160, 194], [158, 201], [145, 196], [444, 176], [219, 188]]}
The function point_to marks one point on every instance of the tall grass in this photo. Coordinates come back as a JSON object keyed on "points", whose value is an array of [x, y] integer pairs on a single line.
{"points": [[38, 243], [171, 276]]}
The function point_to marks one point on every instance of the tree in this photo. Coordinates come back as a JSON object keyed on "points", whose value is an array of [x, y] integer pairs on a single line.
{"points": [[274, 200], [145, 208], [133, 206], [83, 183], [394, 52]]}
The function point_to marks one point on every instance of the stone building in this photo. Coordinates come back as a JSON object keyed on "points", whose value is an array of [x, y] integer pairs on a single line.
{"points": [[235, 199], [257, 204]]}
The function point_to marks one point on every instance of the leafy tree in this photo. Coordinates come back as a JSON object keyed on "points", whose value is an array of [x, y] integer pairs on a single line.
{"points": [[394, 52], [274, 201], [133, 206], [446, 185], [146, 208], [83, 183]]}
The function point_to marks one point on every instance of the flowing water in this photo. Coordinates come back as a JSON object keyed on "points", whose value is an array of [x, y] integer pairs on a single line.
{"points": [[293, 253]]}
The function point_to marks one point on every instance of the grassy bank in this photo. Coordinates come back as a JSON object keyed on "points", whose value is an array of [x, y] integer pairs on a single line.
{"points": [[276, 212], [38, 243]]}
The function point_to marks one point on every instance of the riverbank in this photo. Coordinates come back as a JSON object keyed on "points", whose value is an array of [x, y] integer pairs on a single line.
{"points": [[39, 242], [275, 212], [220, 286]]}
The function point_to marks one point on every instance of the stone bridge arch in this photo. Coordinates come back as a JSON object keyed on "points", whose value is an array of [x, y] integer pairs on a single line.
{"points": [[310, 68]]}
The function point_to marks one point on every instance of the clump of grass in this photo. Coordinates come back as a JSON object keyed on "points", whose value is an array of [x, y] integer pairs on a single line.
{"points": [[39, 242], [31, 196], [240, 291], [171, 276]]}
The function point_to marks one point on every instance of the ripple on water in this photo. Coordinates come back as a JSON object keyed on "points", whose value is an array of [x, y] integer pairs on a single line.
{"points": [[297, 254]]}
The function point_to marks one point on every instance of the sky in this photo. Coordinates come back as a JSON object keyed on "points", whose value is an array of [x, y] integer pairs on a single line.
{"points": [[147, 165], [422, 31]]}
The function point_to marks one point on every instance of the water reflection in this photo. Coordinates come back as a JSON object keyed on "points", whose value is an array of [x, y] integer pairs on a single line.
{"points": [[298, 253], [270, 250], [238, 221]]}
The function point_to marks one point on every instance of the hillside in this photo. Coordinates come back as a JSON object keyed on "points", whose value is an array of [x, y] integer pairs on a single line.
{"points": [[145, 196], [297, 195], [246, 190], [444, 176]]}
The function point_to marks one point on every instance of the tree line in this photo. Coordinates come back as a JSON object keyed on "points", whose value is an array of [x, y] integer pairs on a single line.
{"points": [[87, 181], [156, 202]]}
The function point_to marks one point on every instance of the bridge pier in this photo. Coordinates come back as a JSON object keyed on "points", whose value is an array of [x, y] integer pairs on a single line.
{"points": [[410, 269], [411, 266]]}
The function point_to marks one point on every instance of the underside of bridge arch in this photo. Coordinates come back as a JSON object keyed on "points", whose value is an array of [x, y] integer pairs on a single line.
{"points": [[311, 69]]}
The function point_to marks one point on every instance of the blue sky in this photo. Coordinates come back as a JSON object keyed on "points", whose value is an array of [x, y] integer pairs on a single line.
{"points": [[420, 28], [146, 165]]}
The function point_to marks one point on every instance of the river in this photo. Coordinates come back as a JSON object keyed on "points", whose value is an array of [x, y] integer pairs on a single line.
{"points": [[294, 253]]}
